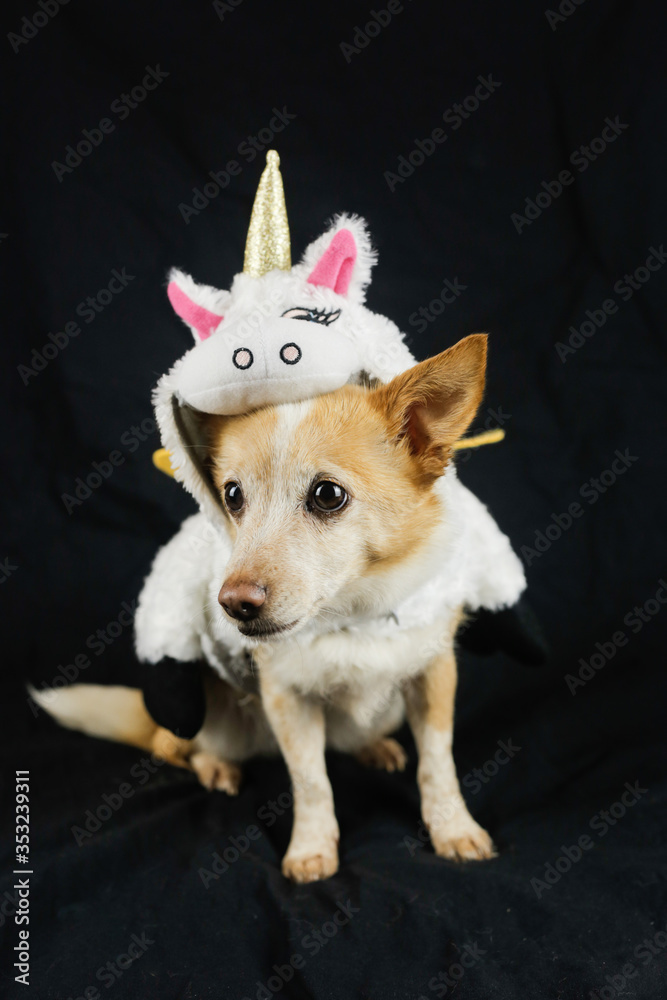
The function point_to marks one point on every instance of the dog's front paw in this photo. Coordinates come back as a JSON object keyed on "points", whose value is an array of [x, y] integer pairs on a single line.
{"points": [[216, 774], [301, 866], [465, 841], [311, 869]]}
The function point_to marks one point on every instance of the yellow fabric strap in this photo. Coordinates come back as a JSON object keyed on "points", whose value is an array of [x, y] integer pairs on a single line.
{"points": [[162, 458], [487, 437]]}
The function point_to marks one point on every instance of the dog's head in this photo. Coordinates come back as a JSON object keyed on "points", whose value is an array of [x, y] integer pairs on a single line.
{"points": [[327, 498]]}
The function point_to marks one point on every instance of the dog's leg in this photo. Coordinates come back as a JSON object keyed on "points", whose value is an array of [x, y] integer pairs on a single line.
{"points": [[430, 708], [170, 748], [213, 772], [299, 728]]}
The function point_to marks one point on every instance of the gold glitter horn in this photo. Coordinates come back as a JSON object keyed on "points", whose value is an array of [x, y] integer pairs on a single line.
{"points": [[268, 243]]}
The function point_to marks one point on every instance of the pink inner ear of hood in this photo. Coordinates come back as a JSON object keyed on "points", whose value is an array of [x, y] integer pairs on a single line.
{"points": [[334, 268], [203, 320]]}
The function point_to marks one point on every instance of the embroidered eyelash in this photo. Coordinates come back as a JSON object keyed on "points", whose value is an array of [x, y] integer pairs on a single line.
{"points": [[322, 316]]}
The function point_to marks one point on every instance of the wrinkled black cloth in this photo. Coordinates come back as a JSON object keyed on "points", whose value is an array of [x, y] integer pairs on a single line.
{"points": [[535, 211]]}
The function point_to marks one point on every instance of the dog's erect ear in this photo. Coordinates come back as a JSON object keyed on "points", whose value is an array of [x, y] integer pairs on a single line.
{"points": [[431, 405], [201, 307], [341, 259]]}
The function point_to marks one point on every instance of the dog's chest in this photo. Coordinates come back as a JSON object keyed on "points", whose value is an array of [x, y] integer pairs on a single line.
{"points": [[357, 660]]}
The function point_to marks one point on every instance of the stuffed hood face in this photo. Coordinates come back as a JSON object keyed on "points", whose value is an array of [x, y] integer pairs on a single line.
{"points": [[284, 336]]}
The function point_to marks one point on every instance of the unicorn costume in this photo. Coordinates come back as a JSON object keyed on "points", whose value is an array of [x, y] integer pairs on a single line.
{"points": [[284, 333]]}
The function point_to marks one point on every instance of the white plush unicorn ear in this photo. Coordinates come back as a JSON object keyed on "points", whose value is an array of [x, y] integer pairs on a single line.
{"points": [[201, 307], [342, 258]]}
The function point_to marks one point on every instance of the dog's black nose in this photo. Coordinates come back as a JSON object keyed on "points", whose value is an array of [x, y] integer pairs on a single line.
{"points": [[242, 600]]}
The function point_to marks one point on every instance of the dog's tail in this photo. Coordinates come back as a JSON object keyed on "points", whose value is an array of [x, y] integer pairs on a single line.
{"points": [[111, 713]]}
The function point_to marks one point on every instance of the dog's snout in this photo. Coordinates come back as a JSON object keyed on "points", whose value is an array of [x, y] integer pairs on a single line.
{"points": [[242, 600]]}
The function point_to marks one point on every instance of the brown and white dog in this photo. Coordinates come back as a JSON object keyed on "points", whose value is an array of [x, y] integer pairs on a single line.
{"points": [[336, 513]]}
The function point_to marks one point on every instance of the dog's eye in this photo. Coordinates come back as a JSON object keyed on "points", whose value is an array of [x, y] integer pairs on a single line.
{"points": [[327, 496], [233, 497], [322, 316]]}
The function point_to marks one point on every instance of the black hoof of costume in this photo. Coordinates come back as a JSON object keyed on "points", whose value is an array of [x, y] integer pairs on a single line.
{"points": [[174, 696]]}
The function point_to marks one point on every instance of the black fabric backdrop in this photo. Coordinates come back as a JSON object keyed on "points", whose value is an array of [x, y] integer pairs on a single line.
{"points": [[67, 575]]}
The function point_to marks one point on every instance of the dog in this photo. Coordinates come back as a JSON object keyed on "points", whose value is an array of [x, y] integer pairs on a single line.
{"points": [[339, 510]]}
